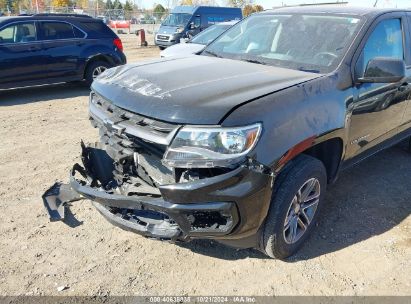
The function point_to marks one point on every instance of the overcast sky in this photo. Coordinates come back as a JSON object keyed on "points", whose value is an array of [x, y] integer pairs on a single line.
{"points": [[270, 3]]}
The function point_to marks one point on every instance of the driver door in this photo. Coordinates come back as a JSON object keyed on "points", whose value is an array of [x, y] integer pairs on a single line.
{"points": [[378, 108], [21, 57]]}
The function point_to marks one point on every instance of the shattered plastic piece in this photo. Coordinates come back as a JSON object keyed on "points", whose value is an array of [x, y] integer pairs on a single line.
{"points": [[56, 198], [61, 288]]}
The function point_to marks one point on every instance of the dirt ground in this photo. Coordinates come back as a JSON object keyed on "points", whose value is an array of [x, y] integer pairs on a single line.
{"points": [[362, 245]]}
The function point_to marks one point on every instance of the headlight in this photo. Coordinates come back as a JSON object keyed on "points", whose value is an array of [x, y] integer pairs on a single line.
{"points": [[203, 147]]}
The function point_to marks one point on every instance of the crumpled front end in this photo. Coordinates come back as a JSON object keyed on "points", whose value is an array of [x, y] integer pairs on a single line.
{"points": [[130, 202], [130, 186]]}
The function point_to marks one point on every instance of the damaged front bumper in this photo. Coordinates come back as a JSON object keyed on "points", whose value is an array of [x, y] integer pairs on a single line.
{"points": [[129, 184], [230, 206], [154, 217]]}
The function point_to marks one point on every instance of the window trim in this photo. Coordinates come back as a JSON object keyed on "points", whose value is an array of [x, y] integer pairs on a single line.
{"points": [[21, 43], [64, 39], [408, 40], [37, 25]]}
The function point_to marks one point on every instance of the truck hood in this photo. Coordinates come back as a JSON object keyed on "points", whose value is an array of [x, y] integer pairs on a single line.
{"points": [[192, 90], [182, 50]]}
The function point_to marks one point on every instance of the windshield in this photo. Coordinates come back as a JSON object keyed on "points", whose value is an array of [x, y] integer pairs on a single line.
{"points": [[208, 35], [176, 20], [314, 43]]}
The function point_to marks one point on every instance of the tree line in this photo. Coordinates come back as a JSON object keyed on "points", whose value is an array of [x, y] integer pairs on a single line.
{"points": [[14, 6]]}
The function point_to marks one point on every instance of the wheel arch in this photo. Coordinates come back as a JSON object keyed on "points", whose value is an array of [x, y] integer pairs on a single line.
{"points": [[328, 149], [94, 58], [330, 153]]}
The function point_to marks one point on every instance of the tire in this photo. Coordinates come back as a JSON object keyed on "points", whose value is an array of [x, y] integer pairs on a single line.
{"points": [[302, 173], [162, 48], [91, 70]]}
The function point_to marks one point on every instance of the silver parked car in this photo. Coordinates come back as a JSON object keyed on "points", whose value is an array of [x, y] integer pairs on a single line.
{"points": [[198, 42]]}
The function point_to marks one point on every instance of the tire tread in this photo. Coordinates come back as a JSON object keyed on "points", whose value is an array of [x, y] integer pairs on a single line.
{"points": [[286, 180]]}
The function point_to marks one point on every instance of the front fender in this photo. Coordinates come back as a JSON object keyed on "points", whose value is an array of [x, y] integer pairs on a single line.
{"points": [[313, 110]]}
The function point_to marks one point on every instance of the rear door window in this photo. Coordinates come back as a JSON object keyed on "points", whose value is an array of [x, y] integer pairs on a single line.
{"points": [[18, 33], [96, 28], [54, 30]]}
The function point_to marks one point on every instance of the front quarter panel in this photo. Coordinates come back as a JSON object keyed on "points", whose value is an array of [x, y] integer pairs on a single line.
{"points": [[314, 109]]}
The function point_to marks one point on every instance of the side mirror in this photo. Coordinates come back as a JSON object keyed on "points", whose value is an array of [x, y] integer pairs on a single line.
{"points": [[192, 26], [383, 70]]}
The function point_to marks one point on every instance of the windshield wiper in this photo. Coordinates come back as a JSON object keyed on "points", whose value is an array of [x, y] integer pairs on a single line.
{"points": [[308, 70], [212, 54], [254, 61]]}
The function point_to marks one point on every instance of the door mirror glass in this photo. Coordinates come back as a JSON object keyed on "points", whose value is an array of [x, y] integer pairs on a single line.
{"points": [[384, 70], [192, 26]]}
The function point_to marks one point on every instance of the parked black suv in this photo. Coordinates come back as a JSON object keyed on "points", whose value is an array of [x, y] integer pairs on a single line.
{"points": [[51, 48], [238, 144]]}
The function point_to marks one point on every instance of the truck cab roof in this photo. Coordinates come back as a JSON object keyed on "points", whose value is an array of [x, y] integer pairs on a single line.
{"points": [[192, 9], [335, 9]]}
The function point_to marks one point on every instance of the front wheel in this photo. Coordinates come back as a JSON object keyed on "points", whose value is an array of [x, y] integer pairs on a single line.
{"points": [[162, 48], [297, 197], [94, 70]]}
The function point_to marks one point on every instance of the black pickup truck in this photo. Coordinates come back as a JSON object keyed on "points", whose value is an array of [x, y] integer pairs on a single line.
{"points": [[239, 143]]}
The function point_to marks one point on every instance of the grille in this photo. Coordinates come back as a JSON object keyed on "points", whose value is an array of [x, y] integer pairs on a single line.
{"points": [[135, 143], [162, 37], [118, 120]]}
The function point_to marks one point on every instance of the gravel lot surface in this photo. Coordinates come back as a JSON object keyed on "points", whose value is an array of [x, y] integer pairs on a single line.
{"points": [[362, 245]]}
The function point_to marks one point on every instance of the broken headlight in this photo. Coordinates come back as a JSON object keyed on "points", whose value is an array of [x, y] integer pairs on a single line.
{"points": [[205, 147]]}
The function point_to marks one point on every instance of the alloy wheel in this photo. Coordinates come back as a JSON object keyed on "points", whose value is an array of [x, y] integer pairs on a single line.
{"points": [[98, 70], [301, 211]]}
